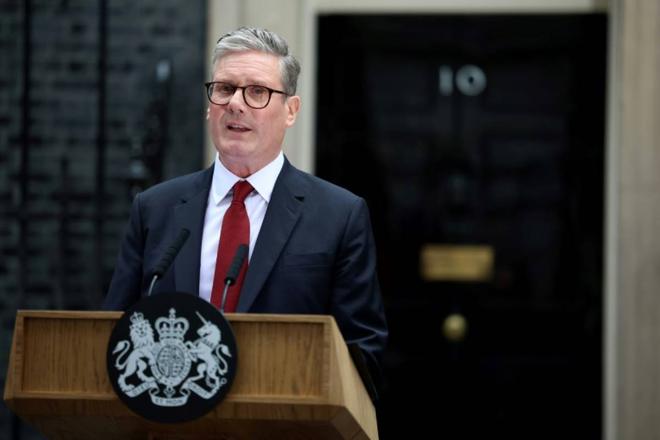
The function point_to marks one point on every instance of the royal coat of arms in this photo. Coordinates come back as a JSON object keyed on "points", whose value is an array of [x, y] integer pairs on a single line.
{"points": [[172, 367], [172, 357]]}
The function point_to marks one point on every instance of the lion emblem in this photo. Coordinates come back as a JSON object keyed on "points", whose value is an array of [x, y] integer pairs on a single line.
{"points": [[142, 356]]}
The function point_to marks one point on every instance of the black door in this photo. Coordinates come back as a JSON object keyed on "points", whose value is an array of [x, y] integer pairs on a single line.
{"points": [[478, 144]]}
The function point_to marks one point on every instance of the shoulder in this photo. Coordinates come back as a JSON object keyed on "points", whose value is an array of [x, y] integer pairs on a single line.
{"points": [[315, 188], [177, 189]]}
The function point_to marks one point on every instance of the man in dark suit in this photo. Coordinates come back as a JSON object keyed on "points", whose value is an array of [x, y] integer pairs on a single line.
{"points": [[311, 247]]}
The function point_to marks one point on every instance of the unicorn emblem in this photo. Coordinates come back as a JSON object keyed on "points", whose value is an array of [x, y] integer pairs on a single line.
{"points": [[209, 353]]}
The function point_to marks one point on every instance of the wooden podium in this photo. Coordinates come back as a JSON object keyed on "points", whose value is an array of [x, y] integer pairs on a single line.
{"points": [[295, 380]]}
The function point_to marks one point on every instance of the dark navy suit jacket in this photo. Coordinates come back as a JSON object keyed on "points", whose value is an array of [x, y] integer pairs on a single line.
{"points": [[315, 253]]}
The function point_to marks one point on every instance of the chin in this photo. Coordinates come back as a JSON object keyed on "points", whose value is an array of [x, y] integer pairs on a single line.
{"points": [[236, 152]]}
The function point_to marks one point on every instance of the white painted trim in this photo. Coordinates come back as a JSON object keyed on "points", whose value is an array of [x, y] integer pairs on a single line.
{"points": [[307, 141], [458, 6], [223, 16], [611, 227]]}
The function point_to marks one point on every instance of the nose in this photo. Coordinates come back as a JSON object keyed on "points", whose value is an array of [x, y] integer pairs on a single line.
{"points": [[236, 103]]}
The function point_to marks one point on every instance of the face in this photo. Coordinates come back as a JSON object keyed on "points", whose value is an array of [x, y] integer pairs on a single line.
{"points": [[248, 139]]}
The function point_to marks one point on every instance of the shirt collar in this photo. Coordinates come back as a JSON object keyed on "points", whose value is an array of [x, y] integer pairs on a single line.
{"points": [[263, 181]]}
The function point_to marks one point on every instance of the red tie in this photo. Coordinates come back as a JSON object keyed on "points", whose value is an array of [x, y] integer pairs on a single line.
{"points": [[235, 231]]}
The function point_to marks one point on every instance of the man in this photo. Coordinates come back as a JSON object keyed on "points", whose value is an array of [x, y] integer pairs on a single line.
{"points": [[311, 248]]}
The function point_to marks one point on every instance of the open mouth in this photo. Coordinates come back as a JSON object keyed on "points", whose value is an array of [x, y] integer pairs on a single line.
{"points": [[237, 128]]}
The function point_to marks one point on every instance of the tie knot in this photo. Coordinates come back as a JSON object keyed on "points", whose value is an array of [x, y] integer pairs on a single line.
{"points": [[241, 190]]}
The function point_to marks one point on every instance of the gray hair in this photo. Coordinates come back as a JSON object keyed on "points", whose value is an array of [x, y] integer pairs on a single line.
{"points": [[262, 40]]}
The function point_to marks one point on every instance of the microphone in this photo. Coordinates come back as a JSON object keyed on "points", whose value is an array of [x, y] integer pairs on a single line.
{"points": [[232, 272], [168, 257]]}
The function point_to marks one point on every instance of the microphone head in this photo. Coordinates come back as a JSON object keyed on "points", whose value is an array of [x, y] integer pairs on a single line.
{"points": [[171, 252], [236, 263]]}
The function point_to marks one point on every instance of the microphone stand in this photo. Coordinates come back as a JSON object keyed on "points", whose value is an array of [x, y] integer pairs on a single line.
{"points": [[232, 273]]}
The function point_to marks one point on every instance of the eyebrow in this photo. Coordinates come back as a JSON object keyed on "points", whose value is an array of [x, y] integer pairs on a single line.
{"points": [[249, 80], [246, 83]]}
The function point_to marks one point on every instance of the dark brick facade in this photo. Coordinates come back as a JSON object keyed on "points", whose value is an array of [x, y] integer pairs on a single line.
{"points": [[114, 102]]}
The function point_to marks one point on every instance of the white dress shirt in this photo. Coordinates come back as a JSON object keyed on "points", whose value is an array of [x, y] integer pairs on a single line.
{"points": [[219, 200]]}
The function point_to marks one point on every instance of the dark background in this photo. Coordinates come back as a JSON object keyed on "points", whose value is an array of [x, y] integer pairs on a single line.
{"points": [[86, 120]]}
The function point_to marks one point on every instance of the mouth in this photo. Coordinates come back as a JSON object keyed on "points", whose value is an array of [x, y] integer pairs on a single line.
{"points": [[237, 127]]}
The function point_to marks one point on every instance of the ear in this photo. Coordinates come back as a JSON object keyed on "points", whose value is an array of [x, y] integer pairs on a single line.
{"points": [[293, 107]]}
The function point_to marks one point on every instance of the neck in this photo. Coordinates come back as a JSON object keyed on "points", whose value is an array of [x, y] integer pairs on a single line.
{"points": [[244, 168]]}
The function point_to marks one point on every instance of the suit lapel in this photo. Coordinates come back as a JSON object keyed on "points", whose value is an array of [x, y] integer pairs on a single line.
{"points": [[282, 215], [189, 214]]}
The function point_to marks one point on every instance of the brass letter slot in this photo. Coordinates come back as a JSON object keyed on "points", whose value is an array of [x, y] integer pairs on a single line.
{"points": [[467, 263]]}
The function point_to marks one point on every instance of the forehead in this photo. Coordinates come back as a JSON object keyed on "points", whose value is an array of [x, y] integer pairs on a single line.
{"points": [[249, 67]]}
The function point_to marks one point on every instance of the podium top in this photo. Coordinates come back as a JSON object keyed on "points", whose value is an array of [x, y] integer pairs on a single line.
{"points": [[294, 372]]}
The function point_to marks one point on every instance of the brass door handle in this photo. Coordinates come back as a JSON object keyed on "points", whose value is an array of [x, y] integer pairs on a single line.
{"points": [[455, 327]]}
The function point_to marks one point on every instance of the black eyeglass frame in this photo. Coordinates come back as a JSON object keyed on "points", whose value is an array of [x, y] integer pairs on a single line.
{"points": [[243, 88]]}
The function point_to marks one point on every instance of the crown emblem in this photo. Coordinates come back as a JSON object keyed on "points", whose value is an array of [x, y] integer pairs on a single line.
{"points": [[172, 327], [137, 320]]}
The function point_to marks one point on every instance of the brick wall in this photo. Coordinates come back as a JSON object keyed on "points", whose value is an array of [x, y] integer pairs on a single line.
{"points": [[115, 104]]}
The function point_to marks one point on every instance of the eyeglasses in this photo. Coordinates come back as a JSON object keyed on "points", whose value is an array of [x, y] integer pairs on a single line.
{"points": [[255, 96]]}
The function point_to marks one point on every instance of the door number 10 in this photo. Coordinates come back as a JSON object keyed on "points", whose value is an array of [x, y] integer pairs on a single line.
{"points": [[470, 80]]}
